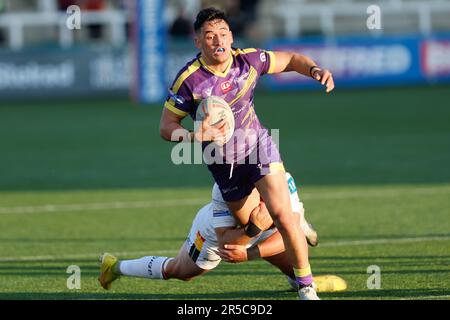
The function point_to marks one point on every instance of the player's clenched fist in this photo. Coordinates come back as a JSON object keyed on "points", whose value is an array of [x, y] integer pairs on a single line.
{"points": [[208, 132]]}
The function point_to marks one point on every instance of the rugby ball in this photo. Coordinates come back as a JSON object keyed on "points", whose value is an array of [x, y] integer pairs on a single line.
{"points": [[218, 109], [324, 283], [330, 283]]}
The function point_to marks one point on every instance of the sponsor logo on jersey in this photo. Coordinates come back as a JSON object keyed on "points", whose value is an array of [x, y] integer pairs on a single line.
{"points": [[291, 185], [226, 86], [221, 213], [176, 98]]}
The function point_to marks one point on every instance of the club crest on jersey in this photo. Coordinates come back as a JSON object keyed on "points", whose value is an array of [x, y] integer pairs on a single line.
{"points": [[226, 86]]}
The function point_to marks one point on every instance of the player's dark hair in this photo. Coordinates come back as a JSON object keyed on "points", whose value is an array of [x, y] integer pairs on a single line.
{"points": [[209, 14]]}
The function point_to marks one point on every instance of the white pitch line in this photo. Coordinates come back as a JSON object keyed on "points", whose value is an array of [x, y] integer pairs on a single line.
{"points": [[101, 206], [382, 241], [200, 201], [173, 252], [360, 193], [84, 256]]}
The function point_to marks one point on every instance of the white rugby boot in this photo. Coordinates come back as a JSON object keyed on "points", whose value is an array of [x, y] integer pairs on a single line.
{"points": [[307, 293]]}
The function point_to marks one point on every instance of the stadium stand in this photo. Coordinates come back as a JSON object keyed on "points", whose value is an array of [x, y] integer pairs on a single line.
{"points": [[26, 23], [31, 22], [292, 18]]}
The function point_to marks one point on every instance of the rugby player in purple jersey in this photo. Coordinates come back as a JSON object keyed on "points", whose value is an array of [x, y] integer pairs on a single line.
{"points": [[255, 169]]}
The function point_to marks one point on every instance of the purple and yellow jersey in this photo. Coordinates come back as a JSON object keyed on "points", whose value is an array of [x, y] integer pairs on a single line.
{"points": [[236, 85]]}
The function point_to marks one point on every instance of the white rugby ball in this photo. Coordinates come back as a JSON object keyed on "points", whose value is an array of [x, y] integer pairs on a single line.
{"points": [[218, 109]]}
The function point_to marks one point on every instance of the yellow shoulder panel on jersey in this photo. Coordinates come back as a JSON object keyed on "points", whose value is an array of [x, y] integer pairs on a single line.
{"points": [[190, 70], [243, 51], [171, 106], [248, 50]]}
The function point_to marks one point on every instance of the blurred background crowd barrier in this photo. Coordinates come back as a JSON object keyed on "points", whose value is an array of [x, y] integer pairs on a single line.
{"points": [[138, 46]]}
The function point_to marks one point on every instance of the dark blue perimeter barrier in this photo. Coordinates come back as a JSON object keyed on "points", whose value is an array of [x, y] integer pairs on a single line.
{"points": [[369, 61]]}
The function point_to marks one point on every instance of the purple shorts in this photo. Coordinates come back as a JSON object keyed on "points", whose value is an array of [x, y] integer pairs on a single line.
{"points": [[237, 180]]}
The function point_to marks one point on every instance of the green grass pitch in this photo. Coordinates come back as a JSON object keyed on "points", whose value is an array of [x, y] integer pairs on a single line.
{"points": [[81, 177]]}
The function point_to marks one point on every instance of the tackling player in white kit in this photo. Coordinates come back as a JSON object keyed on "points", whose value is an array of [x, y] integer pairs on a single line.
{"points": [[215, 227]]}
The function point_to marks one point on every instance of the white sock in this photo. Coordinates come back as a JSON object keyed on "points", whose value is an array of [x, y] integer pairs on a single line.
{"points": [[146, 267]]}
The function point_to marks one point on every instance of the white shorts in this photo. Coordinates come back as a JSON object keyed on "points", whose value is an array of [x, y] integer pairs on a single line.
{"points": [[204, 252], [202, 244]]}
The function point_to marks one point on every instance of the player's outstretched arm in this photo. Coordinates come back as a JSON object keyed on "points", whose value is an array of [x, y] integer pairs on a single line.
{"points": [[258, 221], [232, 235], [291, 61], [271, 246], [235, 253]]}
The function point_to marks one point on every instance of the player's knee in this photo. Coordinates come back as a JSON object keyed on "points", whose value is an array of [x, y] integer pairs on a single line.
{"points": [[284, 220], [280, 213], [278, 210]]}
